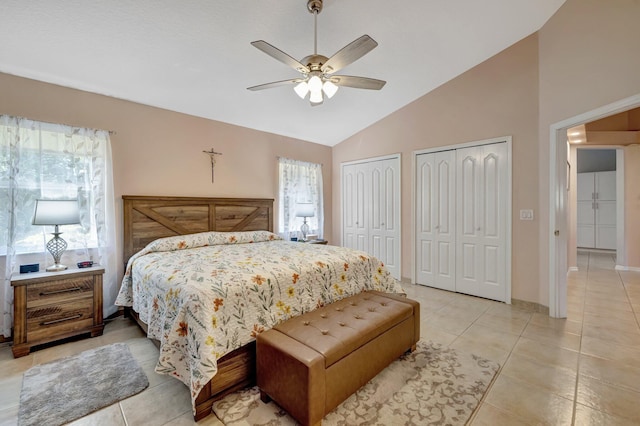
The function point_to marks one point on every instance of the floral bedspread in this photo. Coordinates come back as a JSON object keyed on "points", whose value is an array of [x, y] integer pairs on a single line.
{"points": [[204, 295]]}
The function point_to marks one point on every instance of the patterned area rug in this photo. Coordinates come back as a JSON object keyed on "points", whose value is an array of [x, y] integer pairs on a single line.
{"points": [[431, 386], [69, 388]]}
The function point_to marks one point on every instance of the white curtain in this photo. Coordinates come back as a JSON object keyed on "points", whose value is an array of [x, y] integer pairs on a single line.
{"points": [[51, 161], [300, 182]]}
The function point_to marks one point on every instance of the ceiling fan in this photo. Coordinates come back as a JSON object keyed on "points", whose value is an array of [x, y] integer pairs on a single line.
{"points": [[318, 79]]}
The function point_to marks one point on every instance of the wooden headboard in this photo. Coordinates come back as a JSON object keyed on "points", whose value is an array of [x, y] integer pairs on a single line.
{"points": [[147, 218]]}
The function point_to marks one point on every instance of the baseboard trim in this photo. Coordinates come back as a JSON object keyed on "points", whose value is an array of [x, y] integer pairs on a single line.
{"points": [[573, 269], [530, 306], [627, 268], [522, 304]]}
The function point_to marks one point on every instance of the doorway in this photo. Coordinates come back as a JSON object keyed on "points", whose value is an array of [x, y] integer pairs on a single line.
{"points": [[558, 203]]}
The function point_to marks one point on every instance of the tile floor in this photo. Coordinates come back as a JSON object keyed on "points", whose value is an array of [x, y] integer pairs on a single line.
{"points": [[583, 370]]}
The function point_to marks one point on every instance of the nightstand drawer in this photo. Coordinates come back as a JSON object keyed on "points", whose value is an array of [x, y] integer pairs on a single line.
{"points": [[64, 318], [59, 291]]}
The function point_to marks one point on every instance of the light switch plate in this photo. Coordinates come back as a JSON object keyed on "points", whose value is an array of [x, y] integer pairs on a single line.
{"points": [[526, 214]]}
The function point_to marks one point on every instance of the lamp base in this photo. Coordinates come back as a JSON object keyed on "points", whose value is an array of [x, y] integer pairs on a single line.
{"points": [[56, 268]]}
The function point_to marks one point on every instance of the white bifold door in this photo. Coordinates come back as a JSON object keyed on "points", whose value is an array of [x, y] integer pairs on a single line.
{"points": [[371, 209], [461, 220], [436, 221]]}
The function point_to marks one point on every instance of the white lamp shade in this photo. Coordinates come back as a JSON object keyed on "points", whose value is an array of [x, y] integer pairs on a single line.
{"points": [[305, 210], [315, 97], [315, 84], [301, 89], [329, 89], [56, 212]]}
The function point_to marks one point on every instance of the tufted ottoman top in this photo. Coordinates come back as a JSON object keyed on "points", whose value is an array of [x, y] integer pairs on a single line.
{"points": [[338, 329]]}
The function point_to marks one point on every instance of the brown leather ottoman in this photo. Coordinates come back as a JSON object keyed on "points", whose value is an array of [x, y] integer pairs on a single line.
{"points": [[310, 364]]}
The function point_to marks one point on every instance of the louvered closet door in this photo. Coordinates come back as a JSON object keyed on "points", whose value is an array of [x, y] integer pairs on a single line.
{"points": [[384, 226], [435, 219], [481, 221], [354, 218]]}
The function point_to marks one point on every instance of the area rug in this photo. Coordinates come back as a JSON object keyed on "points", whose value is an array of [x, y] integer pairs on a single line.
{"points": [[69, 388], [434, 385]]}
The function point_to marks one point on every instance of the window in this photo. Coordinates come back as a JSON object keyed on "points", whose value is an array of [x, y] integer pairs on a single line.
{"points": [[51, 161], [48, 164], [300, 182]]}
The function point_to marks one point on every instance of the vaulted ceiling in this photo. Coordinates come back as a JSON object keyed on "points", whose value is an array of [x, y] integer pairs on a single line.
{"points": [[195, 56]]}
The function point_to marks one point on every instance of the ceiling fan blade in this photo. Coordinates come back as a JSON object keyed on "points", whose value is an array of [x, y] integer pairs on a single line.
{"points": [[278, 54], [358, 82], [348, 54], [274, 84]]}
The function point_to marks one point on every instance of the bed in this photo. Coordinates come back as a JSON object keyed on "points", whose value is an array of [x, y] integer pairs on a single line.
{"points": [[207, 275]]}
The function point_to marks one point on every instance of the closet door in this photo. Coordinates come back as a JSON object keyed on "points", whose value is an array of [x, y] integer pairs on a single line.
{"points": [[384, 223], [481, 221], [371, 210], [354, 218], [435, 220]]}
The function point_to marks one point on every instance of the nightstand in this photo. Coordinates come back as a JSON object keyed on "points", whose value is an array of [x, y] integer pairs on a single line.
{"points": [[50, 306]]}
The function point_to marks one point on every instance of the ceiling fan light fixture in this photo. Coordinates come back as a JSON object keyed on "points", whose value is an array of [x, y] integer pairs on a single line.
{"points": [[329, 89], [316, 96], [301, 89], [318, 70], [315, 84]]}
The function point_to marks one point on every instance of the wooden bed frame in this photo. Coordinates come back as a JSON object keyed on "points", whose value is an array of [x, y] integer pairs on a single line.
{"points": [[147, 218]]}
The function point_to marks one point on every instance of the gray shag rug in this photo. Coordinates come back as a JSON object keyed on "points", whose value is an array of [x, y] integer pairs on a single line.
{"points": [[434, 385], [69, 388]]}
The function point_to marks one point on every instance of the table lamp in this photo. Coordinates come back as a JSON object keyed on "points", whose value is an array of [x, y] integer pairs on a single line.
{"points": [[305, 210], [56, 212]]}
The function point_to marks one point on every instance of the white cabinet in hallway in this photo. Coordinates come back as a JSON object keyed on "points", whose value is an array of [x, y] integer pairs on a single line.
{"points": [[596, 210], [371, 209], [462, 218]]}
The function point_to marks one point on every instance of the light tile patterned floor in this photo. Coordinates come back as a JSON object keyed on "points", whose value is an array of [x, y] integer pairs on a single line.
{"points": [[583, 370]]}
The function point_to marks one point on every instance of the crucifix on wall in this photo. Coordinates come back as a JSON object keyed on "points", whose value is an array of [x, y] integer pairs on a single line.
{"points": [[212, 154]]}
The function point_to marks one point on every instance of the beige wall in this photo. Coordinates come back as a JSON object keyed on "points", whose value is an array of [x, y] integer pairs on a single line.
{"points": [[497, 98], [581, 59], [158, 152], [632, 204], [588, 59], [572, 220]]}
